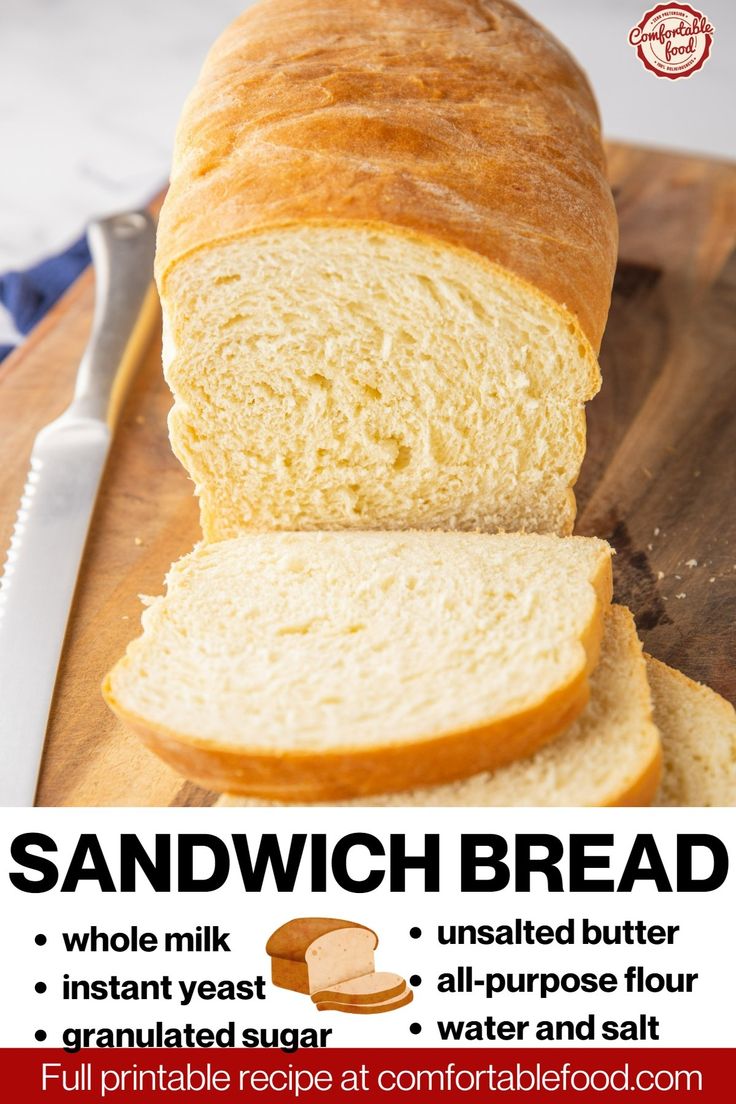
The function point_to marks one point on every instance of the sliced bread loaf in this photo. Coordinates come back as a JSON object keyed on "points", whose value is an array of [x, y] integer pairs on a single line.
{"points": [[319, 666], [314, 953], [368, 989], [385, 263], [610, 755], [698, 730]]}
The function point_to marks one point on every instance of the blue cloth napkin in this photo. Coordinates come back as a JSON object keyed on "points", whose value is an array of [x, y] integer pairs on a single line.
{"points": [[29, 295]]}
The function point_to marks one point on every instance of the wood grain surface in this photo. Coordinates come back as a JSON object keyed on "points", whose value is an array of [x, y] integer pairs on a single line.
{"points": [[659, 479]]}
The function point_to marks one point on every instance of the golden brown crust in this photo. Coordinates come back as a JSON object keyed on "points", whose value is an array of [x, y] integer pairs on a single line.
{"points": [[458, 120], [293, 939], [641, 791], [297, 777], [286, 974]]}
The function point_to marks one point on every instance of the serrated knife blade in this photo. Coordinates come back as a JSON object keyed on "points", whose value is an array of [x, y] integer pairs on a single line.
{"points": [[66, 466]]}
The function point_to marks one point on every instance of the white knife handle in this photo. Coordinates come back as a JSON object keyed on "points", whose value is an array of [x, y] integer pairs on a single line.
{"points": [[122, 249]]}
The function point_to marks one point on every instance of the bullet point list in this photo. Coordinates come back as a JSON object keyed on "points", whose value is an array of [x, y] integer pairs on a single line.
{"points": [[415, 980], [40, 986], [40, 939], [415, 1028], [40, 1036], [415, 932]]}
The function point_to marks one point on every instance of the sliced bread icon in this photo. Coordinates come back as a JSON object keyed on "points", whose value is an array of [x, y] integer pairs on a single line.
{"points": [[314, 953]]}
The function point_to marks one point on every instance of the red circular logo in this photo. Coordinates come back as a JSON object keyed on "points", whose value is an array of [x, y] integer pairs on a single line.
{"points": [[672, 40]]}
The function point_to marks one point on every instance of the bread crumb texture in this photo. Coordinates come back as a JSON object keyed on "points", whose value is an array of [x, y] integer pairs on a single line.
{"points": [[319, 640], [698, 730], [359, 378]]}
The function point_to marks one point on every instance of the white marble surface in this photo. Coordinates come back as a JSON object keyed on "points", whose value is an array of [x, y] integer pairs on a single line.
{"points": [[90, 91]]}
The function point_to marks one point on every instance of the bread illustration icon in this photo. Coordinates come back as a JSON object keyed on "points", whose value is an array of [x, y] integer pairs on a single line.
{"points": [[332, 961]]}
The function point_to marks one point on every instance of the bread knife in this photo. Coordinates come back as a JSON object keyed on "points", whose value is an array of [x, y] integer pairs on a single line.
{"points": [[67, 462]]}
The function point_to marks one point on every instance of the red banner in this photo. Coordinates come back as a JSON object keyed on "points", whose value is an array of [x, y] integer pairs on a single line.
{"points": [[422, 1075]]}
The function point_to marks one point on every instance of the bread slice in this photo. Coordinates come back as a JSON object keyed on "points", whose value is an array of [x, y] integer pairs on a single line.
{"points": [[363, 1009], [368, 989], [319, 666], [611, 755], [698, 730], [312, 954], [385, 263]]}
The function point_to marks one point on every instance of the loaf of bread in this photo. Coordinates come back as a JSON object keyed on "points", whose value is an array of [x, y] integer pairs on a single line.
{"points": [[368, 989], [313, 953], [385, 263], [610, 756], [320, 666], [699, 735]]}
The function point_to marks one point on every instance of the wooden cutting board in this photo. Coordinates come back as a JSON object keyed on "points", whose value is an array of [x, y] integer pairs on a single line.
{"points": [[659, 479]]}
